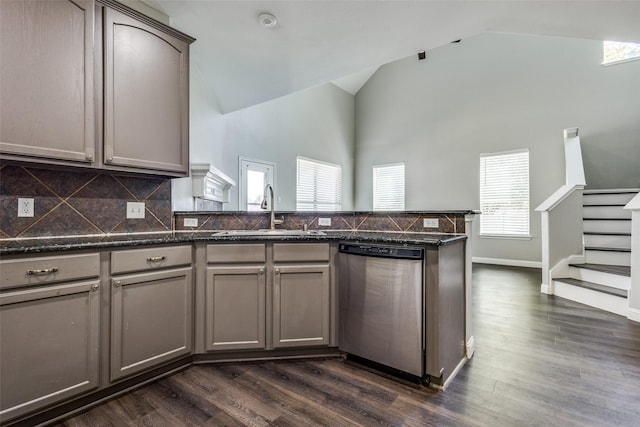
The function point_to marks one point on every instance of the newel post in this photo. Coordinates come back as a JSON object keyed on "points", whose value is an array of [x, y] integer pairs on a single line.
{"points": [[634, 291]]}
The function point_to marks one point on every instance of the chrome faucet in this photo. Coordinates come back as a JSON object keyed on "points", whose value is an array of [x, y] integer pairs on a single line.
{"points": [[273, 221]]}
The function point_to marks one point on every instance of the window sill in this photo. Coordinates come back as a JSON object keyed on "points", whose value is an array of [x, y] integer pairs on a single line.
{"points": [[506, 236], [621, 61]]}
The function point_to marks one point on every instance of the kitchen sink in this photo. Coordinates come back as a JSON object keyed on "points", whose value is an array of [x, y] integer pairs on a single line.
{"points": [[269, 232]]}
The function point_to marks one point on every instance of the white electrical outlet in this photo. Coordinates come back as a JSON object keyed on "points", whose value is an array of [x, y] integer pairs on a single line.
{"points": [[190, 222], [324, 222], [135, 210], [25, 207], [430, 222]]}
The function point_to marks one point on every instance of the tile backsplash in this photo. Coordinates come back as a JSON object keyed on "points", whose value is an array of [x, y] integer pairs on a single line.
{"points": [[407, 222], [80, 202], [71, 203]]}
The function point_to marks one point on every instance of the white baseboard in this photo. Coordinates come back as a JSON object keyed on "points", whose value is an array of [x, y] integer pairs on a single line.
{"points": [[633, 314], [546, 289], [471, 347], [508, 262]]}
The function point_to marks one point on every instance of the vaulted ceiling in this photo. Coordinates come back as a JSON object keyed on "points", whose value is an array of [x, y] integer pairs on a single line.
{"points": [[316, 42]]}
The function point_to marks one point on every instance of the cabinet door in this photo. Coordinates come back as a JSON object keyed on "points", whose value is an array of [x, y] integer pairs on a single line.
{"points": [[146, 78], [49, 348], [46, 80], [151, 320], [301, 307], [235, 308]]}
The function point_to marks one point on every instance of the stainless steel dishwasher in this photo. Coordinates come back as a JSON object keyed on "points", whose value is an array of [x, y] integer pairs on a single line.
{"points": [[381, 302]]}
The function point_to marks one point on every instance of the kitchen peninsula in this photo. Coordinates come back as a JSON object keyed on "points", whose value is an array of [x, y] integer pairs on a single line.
{"points": [[215, 295]]}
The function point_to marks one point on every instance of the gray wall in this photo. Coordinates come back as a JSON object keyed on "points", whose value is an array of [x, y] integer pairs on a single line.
{"points": [[492, 93], [317, 123]]}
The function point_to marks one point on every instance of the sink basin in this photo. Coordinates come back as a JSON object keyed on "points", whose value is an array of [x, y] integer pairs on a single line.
{"points": [[269, 232]]}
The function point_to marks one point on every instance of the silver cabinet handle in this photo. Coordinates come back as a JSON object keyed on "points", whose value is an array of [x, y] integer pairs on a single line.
{"points": [[262, 271], [155, 258], [117, 283], [95, 287], [42, 272], [277, 271]]}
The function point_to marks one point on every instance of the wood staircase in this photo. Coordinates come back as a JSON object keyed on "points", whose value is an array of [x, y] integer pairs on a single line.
{"points": [[603, 280]]}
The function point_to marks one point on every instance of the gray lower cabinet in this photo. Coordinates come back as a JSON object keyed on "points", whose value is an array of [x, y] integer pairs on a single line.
{"points": [[235, 307], [235, 297], [50, 345], [46, 81], [151, 309], [301, 305]]}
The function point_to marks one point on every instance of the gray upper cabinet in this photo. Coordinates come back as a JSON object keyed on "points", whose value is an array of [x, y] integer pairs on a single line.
{"points": [[46, 81], [146, 111], [93, 84]]}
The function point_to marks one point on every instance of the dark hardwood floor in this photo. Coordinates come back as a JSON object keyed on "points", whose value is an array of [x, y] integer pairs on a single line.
{"points": [[540, 360]]}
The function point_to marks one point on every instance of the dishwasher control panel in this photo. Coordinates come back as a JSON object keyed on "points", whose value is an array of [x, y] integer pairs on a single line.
{"points": [[400, 252]]}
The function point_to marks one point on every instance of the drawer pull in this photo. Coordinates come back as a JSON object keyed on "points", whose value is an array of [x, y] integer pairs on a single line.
{"points": [[155, 258], [117, 283], [42, 272], [95, 287]]}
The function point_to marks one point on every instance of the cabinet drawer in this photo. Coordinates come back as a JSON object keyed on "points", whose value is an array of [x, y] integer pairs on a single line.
{"points": [[283, 252], [45, 270], [236, 253], [149, 259]]}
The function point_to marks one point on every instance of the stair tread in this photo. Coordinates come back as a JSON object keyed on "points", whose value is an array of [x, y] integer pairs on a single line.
{"points": [[606, 219], [604, 233], [593, 286], [619, 270], [612, 191], [606, 249]]}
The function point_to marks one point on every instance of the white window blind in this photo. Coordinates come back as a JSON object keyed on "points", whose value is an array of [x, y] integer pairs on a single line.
{"points": [[388, 187], [504, 193], [319, 186]]}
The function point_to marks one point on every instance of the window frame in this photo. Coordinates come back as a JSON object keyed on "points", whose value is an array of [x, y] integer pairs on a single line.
{"points": [[375, 190], [337, 205], [244, 163], [492, 233], [619, 61]]}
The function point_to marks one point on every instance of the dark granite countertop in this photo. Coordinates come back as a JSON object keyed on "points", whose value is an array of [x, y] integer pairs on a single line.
{"points": [[60, 244]]}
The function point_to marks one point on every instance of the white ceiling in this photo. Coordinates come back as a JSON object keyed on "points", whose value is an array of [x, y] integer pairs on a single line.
{"points": [[346, 41]]}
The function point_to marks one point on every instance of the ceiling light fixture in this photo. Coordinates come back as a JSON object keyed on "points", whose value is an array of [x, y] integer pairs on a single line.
{"points": [[267, 20]]}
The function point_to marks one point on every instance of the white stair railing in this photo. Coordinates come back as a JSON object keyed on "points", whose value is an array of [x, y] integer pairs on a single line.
{"points": [[561, 214], [634, 292]]}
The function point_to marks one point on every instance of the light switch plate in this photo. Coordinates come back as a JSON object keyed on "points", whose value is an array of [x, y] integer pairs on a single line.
{"points": [[324, 222], [190, 222], [135, 210], [430, 222], [25, 207]]}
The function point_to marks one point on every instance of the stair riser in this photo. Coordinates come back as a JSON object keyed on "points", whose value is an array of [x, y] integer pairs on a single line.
{"points": [[605, 241], [602, 278], [606, 212], [604, 226], [606, 257], [607, 199], [591, 298]]}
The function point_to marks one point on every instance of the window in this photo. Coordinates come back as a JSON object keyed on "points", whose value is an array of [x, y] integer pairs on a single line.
{"points": [[254, 177], [388, 187], [504, 194], [319, 186], [615, 52]]}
